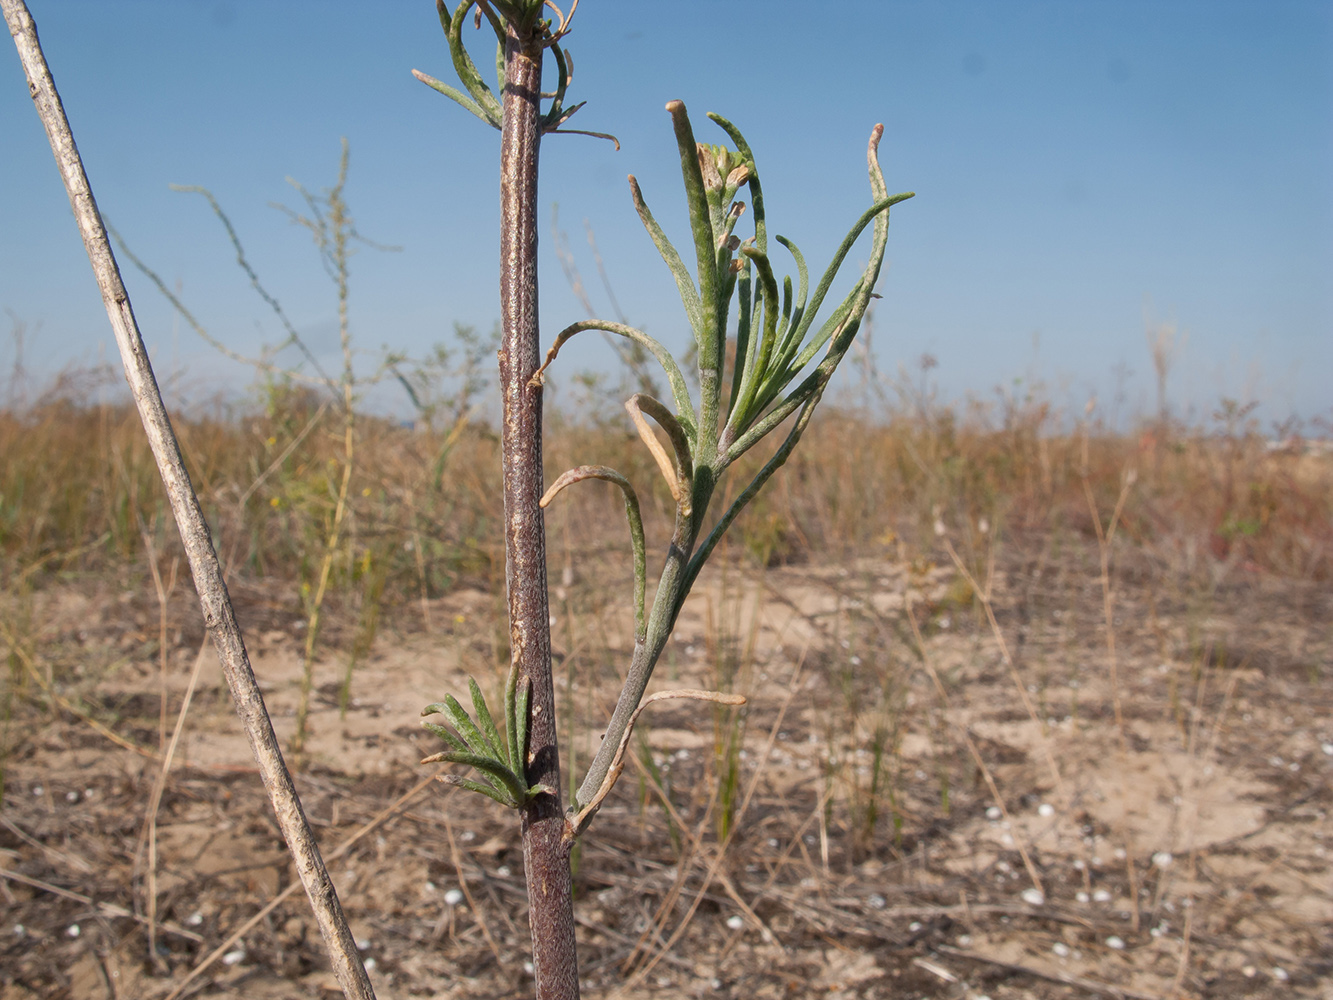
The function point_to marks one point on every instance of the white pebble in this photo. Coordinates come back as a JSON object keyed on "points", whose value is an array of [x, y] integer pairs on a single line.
{"points": [[1117, 943], [369, 964], [915, 925], [877, 902], [1280, 974], [1101, 896], [71, 796], [453, 897], [232, 957], [1162, 859], [195, 919], [20, 930], [528, 968], [1082, 897], [72, 930], [363, 944], [994, 813], [736, 922], [1061, 949], [1045, 809], [1034, 897], [1328, 749], [503, 871]]}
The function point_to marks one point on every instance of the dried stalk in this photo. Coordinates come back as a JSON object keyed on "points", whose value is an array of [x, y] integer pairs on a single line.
{"points": [[213, 597]]}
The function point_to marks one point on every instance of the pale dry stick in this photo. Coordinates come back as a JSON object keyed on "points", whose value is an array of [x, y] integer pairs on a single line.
{"points": [[697, 846], [984, 597], [1104, 541], [1186, 933], [71, 860], [776, 869], [276, 464], [106, 909], [642, 971], [970, 743], [696, 838], [657, 924], [219, 614], [579, 822], [163, 593], [317, 601], [155, 800], [462, 881], [1090, 985], [258, 364], [26, 659], [286, 894]]}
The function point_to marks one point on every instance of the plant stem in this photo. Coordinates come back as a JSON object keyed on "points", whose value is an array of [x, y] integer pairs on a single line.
{"points": [[545, 855], [219, 616]]}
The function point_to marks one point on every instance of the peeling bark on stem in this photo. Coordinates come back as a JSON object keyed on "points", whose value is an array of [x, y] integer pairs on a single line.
{"points": [[213, 597], [545, 853]]}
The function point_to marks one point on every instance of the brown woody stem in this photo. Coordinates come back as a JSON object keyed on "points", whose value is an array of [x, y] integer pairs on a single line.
{"points": [[545, 854]]}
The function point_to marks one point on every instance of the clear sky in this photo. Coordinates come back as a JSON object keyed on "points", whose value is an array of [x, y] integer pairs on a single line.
{"points": [[1078, 165]]}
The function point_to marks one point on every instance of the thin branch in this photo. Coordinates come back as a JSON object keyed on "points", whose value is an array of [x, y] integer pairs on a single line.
{"points": [[580, 821], [214, 598]]}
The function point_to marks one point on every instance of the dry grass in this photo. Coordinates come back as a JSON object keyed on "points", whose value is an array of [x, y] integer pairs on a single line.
{"points": [[926, 740]]}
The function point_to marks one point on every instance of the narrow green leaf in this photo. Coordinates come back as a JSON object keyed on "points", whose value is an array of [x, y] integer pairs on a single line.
{"points": [[489, 791], [759, 371], [689, 294], [484, 720], [632, 513], [843, 249], [511, 722], [789, 345], [444, 734], [467, 70], [521, 718], [555, 114], [709, 336], [492, 769], [756, 192], [459, 719], [743, 352], [679, 391], [453, 94], [826, 331]]}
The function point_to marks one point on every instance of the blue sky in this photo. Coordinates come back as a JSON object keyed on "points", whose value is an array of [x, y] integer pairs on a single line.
{"points": [[1078, 165]]}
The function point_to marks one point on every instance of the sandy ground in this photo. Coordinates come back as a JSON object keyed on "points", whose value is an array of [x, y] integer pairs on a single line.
{"points": [[1044, 818]]}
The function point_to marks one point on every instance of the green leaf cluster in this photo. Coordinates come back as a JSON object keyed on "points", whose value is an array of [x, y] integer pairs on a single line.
{"points": [[522, 15], [500, 763]]}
